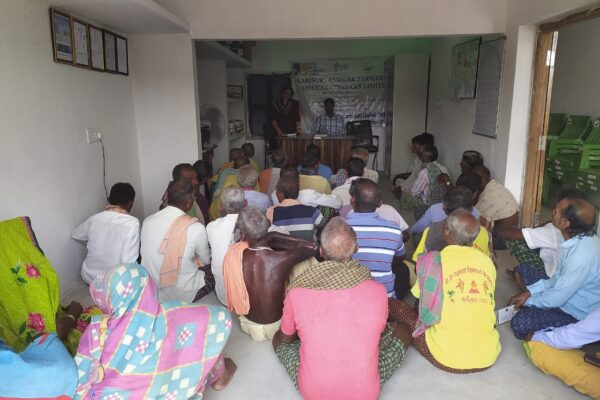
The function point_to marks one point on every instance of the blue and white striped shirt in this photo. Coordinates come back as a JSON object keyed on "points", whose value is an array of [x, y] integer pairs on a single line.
{"points": [[379, 241]]}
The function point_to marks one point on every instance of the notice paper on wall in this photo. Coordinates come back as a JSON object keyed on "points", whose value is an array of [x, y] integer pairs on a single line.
{"points": [[505, 314]]}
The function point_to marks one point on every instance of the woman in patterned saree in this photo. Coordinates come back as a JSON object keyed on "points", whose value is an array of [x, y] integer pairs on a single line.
{"points": [[140, 348]]}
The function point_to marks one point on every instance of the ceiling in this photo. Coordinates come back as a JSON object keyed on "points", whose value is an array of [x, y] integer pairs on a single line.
{"points": [[125, 16]]}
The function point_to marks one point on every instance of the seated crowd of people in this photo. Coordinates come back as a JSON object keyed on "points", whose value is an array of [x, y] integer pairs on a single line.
{"points": [[312, 260]]}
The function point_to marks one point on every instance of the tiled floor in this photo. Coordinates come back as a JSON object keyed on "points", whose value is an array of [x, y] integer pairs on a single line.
{"points": [[260, 375]]}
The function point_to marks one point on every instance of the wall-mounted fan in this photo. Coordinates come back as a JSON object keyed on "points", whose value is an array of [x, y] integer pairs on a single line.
{"points": [[212, 125]]}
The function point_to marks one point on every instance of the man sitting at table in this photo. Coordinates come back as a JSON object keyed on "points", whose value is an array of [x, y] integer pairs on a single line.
{"points": [[318, 168], [310, 179], [330, 123]]}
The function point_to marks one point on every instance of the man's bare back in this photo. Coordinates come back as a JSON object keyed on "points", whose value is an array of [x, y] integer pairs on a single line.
{"points": [[266, 266]]}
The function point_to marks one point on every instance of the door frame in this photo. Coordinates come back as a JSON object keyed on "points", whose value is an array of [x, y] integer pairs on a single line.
{"points": [[543, 67]]}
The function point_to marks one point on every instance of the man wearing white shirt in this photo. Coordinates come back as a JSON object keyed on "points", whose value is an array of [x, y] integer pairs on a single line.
{"points": [[308, 197], [112, 236], [222, 233], [355, 168], [194, 278], [536, 249]]}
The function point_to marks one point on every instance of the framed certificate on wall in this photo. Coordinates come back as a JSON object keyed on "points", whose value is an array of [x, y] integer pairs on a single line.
{"points": [[97, 48], [110, 52], [81, 42], [122, 54], [62, 37]]}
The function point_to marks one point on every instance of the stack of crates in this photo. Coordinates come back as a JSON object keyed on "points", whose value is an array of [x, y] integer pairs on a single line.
{"points": [[564, 153], [588, 176]]}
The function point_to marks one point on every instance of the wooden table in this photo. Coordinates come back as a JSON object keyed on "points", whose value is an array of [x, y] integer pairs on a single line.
{"points": [[335, 151]]}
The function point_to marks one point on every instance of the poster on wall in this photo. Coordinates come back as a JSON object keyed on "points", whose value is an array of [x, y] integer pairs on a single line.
{"points": [[491, 60], [62, 38], [97, 48], [463, 69], [81, 41], [110, 52], [357, 85]]}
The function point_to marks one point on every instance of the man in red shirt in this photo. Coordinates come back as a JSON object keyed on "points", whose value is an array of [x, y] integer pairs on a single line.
{"points": [[338, 312]]}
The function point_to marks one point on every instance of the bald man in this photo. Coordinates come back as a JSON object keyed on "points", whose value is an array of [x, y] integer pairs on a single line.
{"points": [[574, 290], [456, 327], [380, 242], [334, 341], [266, 261]]}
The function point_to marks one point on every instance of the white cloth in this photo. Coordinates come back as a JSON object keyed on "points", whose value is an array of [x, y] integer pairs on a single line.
{"points": [[221, 234], [548, 239], [112, 238], [343, 192], [191, 279], [310, 197], [496, 202], [415, 168], [389, 213]]}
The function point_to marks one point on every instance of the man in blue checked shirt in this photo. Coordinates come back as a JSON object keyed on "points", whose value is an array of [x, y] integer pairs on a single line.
{"points": [[380, 244], [330, 123]]}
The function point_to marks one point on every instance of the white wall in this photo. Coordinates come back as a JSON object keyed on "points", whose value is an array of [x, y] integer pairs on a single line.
{"points": [[275, 19], [451, 120], [410, 97], [162, 67], [212, 89], [47, 171], [576, 87]]}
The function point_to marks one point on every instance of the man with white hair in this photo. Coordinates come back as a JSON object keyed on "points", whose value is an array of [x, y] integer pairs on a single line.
{"points": [[455, 326], [222, 233], [247, 178], [256, 271], [334, 341]]}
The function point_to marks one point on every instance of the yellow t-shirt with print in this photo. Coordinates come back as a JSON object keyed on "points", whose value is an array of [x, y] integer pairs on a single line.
{"points": [[481, 243], [466, 336]]}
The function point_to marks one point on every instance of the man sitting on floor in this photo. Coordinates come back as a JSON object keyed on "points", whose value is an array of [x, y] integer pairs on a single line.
{"points": [[403, 182], [355, 168], [496, 203], [380, 242], [455, 327], [536, 249], [186, 172], [234, 153], [223, 232], [202, 172], [574, 290], [175, 248], [248, 151], [256, 270], [112, 236], [433, 238], [269, 177], [247, 178], [358, 152], [290, 215], [426, 190], [334, 341], [315, 168], [308, 197], [437, 212], [309, 179], [556, 352], [228, 178]]}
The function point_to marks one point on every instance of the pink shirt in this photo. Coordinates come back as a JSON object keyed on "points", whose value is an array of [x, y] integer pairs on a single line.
{"points": [[339, 333]]}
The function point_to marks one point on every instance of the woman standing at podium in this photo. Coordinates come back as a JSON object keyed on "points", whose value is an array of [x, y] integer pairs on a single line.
{"points": [[286, 113]]}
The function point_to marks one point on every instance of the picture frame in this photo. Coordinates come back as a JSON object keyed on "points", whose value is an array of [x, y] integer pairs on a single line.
{"points": [[96, 48], [235, 92], [122, 55], [110, 51], [463, 69], [62, 37], [81, 44]]}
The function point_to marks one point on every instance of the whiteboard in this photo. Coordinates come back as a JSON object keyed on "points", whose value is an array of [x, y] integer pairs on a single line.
{"points": [[489, 82]]}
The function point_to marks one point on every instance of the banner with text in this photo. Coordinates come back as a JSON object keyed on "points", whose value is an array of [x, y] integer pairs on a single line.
{"points": [[357, 85]]}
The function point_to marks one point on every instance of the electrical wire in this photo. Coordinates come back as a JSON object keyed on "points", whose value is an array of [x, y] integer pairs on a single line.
{"points": [[104, 169]]}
